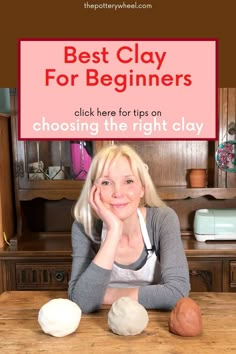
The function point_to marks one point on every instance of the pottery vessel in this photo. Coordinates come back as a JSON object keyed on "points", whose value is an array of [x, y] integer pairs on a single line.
{"points": [[197, 178]]}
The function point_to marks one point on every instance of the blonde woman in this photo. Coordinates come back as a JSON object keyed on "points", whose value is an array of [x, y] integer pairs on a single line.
{"points": [[125, 240]]}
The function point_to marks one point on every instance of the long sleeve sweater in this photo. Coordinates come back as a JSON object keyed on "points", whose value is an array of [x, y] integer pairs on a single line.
{"points": [[89, 282]]}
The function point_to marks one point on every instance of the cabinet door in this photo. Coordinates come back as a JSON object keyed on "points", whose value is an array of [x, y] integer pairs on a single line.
{"points": [[229, 277], [49, 164], [6, 200], [205, 275], [232, 274]]}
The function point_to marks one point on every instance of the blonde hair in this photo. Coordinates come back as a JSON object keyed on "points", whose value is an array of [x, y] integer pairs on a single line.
{"points": [[83, 212]]}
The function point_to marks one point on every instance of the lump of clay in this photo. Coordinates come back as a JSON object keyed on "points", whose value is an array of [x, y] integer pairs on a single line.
{"points": [[127, 317], [185, 318], [59, 317]]}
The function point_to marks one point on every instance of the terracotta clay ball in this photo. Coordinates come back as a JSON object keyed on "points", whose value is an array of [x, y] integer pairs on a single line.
{"points": [[185, 318]]}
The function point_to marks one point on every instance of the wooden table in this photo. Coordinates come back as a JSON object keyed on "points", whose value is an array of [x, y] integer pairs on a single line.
{"points": [[21, 333]]}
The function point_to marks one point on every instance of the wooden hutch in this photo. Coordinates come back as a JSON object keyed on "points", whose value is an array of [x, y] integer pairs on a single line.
{"points": [[39, 253]]}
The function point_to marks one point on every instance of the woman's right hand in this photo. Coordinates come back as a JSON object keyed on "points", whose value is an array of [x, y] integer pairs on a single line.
{"points": [[107, 252], [111, 221]]}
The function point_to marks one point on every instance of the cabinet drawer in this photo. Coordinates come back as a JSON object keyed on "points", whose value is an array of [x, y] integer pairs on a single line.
{"points": [[205, 275], [42, 276]]}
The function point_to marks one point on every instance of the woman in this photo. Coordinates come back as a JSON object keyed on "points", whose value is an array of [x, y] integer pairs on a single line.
{"points": [[125, 241]]}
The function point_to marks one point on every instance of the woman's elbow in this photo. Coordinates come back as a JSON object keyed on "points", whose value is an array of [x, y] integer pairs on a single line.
{"points": [[85, 305], [179, 292]]}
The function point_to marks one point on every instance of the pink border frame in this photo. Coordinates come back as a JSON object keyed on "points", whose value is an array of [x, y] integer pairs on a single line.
{"points": [[123, 39]]}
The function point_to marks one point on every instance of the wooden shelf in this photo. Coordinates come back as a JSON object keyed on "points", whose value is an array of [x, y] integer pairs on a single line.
{"points": [[209, 249], [173, 193], [39, 244], [165, 193], [50, 194], [59, 244]]}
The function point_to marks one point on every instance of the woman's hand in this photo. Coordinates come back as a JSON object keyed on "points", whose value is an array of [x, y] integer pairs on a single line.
{"points": [[107, 252], [111, 221]]}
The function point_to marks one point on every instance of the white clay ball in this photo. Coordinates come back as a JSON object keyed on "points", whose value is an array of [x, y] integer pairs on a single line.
{"points": [[59, 317], [127, 317]]}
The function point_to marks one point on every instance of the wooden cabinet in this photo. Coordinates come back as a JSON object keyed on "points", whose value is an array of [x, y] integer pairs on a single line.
{"points": [[39, 256], [212, 265], [43, 198], [39, 262], [6, 200], [205, 275], [7, 220]]}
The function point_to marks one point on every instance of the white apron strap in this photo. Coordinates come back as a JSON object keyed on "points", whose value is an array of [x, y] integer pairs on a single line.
{"points": [[143, 226]]}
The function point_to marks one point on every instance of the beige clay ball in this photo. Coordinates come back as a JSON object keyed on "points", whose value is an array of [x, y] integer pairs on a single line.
{"points": [[127, 317], [59, 317], [185, 318]]}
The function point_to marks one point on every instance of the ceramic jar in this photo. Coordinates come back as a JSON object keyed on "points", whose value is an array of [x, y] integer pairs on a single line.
{"points": [[197, 178]]}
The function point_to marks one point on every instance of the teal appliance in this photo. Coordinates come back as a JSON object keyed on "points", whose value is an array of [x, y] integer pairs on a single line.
{"points": [[215, 224]]}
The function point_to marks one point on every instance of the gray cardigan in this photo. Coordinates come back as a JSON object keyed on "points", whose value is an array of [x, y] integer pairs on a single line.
{"points": [[88, 281]]}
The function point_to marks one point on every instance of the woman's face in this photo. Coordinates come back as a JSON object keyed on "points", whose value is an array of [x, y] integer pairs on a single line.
{"points": [[121, 190]]}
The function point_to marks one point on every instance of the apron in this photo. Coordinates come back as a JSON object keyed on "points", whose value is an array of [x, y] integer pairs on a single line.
{"points": [[148, 274]]}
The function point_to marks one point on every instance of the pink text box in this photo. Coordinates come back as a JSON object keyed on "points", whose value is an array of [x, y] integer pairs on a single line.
{"points": [[118, 89]]}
